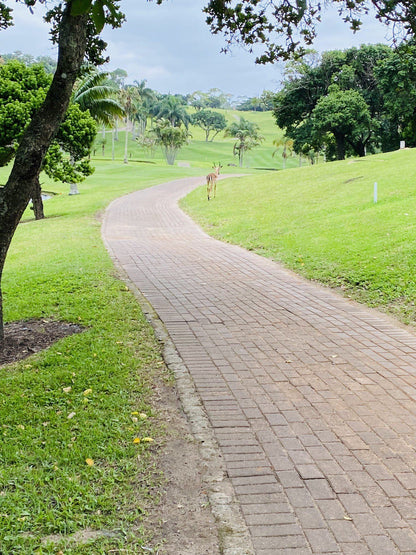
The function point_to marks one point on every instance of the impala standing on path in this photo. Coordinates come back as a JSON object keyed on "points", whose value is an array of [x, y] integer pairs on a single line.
{"points": [[212, 180]]}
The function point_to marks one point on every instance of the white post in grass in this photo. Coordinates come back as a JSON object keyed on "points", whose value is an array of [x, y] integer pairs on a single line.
{"points": [[375, 191]]}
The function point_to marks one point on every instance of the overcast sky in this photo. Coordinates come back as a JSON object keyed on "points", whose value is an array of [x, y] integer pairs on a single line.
{"points": [[172, 48]]}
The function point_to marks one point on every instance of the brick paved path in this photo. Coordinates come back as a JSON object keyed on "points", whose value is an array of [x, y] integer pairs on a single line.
{"points": [[311, 397]]}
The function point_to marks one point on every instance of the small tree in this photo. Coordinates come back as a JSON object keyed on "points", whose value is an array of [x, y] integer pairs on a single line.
{"points": [[345, 114], [247, 135], [169, 138], [287, 145], [22, 89], [66, 159], [210, 121]]}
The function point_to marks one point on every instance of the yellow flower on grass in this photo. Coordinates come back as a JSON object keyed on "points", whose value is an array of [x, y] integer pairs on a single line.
{"points": [[136, 440], [90, 462], [134, 413]]}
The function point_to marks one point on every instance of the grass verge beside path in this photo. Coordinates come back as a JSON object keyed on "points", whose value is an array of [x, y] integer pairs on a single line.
{"points": [[322, 222], [70, 471]]}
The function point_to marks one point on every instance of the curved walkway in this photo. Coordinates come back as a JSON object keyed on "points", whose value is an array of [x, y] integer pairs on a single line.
{"points": [[312, 398]]}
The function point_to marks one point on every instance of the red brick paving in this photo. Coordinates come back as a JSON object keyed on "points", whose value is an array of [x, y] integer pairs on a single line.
{"points": [[311, 397]]}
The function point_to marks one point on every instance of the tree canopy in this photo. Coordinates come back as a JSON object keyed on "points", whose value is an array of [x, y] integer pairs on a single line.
{"points": [[247, 137], [287, 29], [382, 77], [210, 121]]}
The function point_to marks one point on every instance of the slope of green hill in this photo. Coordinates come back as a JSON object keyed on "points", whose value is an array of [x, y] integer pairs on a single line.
{"points": [[200, 153], [322, 222]]}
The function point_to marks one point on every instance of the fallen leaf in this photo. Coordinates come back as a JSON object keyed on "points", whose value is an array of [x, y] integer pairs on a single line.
{"points": [[134, 413], [90, 462], [71, 415], [143, 416], [66, 389], [148, 439], [87, 391]]}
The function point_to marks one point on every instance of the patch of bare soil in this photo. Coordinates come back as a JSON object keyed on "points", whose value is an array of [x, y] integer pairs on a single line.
{"points": [[24, 338], [182, 524]]}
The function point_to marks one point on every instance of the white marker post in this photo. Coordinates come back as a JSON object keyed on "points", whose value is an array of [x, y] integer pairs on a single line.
{"points": [[375, 192]]}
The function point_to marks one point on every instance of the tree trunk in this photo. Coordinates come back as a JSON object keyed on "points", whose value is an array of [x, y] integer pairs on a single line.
{"points": [[361, 149], [113, 144], [15, 195], [37, 202], [126, 142], [340, 140]]}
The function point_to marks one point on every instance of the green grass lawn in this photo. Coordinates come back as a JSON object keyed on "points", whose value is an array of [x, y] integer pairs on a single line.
{"points": [[82, 398], [200, 153], [321, 221], [88, 396]]}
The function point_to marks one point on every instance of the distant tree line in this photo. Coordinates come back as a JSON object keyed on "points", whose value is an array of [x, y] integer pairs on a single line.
{"points": [[350, 102]]}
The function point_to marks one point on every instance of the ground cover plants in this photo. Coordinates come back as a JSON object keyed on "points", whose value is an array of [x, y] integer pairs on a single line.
{"points": [[77, 425], [322, 222]]}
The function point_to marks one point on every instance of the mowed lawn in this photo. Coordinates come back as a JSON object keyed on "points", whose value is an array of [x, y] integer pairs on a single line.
{"points": [[78, 429], [322, 222], [199, 153]]}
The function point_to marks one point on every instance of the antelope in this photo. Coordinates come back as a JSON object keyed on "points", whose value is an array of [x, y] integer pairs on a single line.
{"points": [[212, 180]]}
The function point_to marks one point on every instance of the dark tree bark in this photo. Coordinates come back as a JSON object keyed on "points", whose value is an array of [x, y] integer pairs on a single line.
{"points": [[340, 140], [37, 202], [15, 195]]}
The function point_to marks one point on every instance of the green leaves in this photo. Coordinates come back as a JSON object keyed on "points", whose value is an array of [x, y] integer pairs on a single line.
{"points": [[80, 7], [98, 15]]}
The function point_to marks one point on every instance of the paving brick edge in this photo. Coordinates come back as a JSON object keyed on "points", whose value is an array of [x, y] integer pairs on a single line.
{"points": [[233, 534]]}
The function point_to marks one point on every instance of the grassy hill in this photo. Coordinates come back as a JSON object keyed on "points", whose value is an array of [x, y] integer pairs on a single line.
{"points": [[321, 221], [202, 153]]}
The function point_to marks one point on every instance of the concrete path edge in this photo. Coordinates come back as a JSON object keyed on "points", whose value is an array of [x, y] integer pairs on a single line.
{"points": [[233, 534]]}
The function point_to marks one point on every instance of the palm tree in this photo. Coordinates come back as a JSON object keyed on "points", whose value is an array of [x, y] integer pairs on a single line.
{"points": [[247, 135], [130, 100], [287, 145], [172, 109], [147, 99], [95, 93]]}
